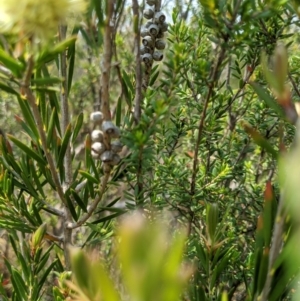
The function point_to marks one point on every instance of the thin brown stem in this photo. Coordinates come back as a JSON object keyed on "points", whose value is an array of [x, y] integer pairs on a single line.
{"points": [[65, 120], [138, 68], [105, 68], [93, 206], [26, 91], [214, 78]]}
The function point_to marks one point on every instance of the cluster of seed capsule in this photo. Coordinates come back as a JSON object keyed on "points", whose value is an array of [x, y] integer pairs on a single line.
{"points": [[152, 34], [99, 150]]}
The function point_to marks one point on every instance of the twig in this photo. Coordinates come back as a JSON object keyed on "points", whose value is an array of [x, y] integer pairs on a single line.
{"points": [[65, 120], [138, 68], [294, 84], [51, 209], [105, 68], [214, 77], [93, 206], [25, 90]]}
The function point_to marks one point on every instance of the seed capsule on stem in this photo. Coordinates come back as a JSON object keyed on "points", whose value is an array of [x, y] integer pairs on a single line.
{"points": [[110, 129], [147, 58], [148, 13], [157, 56], [97, 136], [159, 18], [148, 41], [97, 117]]}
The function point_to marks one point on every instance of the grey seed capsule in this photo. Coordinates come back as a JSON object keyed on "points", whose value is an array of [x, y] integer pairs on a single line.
{"points": [[159, 18], [97, 136], [110, 129], [95, 155], [147, 25], [107, 156], [157, 56], [98, 148], [147, 58], [144, 32], [96, 117], [160, 44], [163, 27], [148, 13], [148, 41], [153, 30], [116, 146], [115, 160], [144, 50]]}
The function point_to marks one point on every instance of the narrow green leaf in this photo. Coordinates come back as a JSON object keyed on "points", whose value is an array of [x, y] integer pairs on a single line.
{"points": [[78, 200], [153, 78], [46, 81], [12, 64], [128, 81], [266, 97], [263, 269], [50, 130], [34, 155], [119, 112], [51, 54], [28, 117], [36, 179], [89, 177], [77, 127], [71, 58], [8, 89], [71, 207], [107, 218], [64, 145], [19, 285], [260, 140]]}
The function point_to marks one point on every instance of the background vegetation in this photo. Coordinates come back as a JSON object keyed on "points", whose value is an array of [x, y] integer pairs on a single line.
{"points": [[209, 162]]}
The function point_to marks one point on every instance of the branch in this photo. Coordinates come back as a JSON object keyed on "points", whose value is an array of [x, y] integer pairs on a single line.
{"points": [[294, 84], [26, 91], [138, 69], [105, 68], [214, 78], [65, 120], [93, 206]]}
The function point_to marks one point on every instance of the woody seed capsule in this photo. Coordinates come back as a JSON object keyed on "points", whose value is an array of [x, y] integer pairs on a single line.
{"points": [[144, 50], [116, 146], [163, 27], [110, 129], [148, 41], [147, 58], [144, 32], [160, 44], [96, 117], [159, 17], [157, 56], [97, 136], [153, 30], [148, 13]]}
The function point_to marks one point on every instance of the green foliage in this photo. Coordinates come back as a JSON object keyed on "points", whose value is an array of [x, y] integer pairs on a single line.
{"points": [[218, 115]]}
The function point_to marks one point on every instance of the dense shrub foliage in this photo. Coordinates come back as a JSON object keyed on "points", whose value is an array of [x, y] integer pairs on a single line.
{"points": [[149, 150]]}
